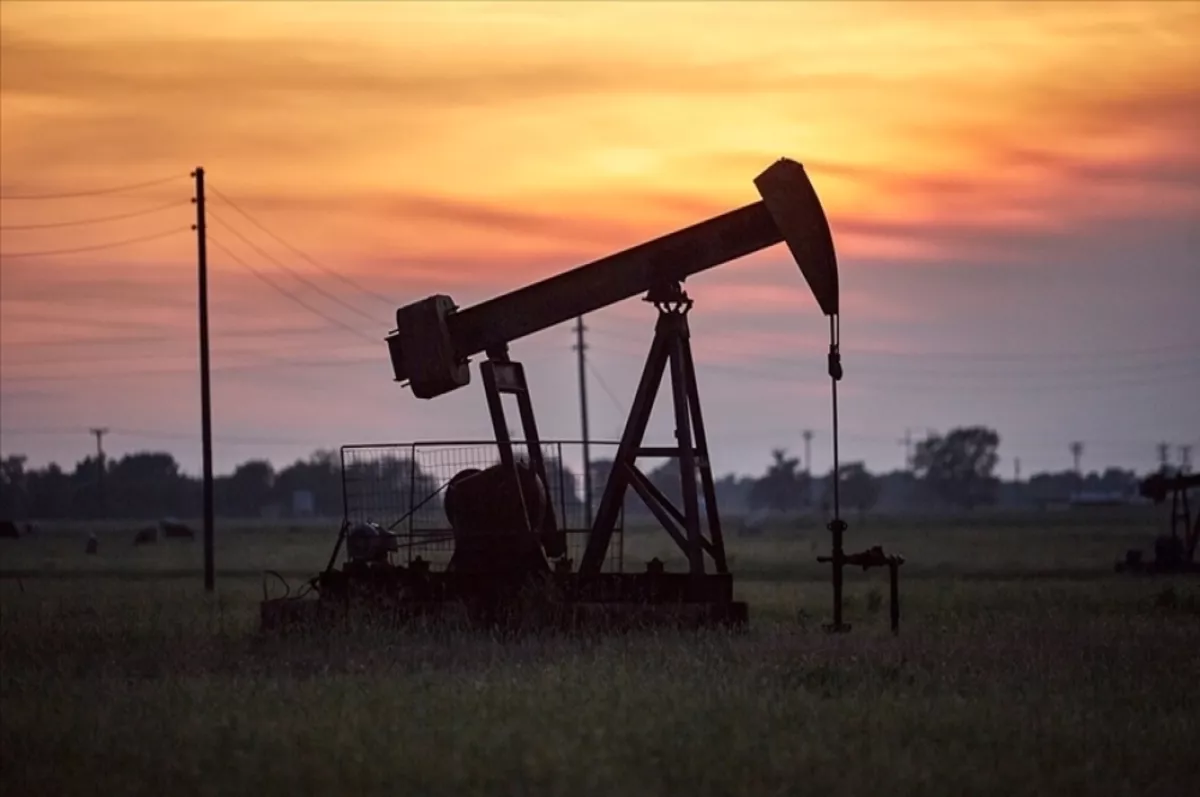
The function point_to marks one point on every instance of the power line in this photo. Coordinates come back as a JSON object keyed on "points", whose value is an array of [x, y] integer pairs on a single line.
{"points": [[151, 434], [95, 247], [159, 338], [278, 363], [163, 356], [972, 355], [1087, 370], [793, 362], [94, 192], [331, 296], [604, 386], [93, 220], [950, 380], [336, 322], [962, 383], [389, 302], [790, 364]]}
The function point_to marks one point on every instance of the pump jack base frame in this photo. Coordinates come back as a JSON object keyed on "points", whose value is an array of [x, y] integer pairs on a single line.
{"points": [[397, 597], [559, 596]]}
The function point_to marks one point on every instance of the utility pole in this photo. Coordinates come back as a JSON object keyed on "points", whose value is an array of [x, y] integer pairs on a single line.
{"points": [[1077, 452], [906, 441], [205, 393], [102, 504], [1185, 459], [1017, 470], [580, 347], [808, 436], [1164, 456]]}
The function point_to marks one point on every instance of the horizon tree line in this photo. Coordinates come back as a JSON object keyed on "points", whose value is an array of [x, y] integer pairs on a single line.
{"points": [[951, 471]]}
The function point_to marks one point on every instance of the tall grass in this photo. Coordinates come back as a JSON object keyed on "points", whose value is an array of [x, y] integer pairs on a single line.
{"points": [[991, 688], [987, 543]]}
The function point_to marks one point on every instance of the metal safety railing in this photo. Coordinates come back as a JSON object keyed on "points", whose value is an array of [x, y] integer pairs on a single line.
{"points": [[401, 486]]}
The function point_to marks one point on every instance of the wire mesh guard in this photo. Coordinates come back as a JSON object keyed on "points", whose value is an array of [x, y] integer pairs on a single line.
{"points": [[401, 487]]}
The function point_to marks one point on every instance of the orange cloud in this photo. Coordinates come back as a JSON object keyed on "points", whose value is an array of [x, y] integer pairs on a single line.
{"points": [[419, 148]]}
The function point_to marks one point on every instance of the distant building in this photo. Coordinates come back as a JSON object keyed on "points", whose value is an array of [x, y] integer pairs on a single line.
{"points": [[1097, 498], [303, 504]]}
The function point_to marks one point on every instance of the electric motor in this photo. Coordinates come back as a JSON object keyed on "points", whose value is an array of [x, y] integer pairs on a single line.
{"points": [[370, 542]]}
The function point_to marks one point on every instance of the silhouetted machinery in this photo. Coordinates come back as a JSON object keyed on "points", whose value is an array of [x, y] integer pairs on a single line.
{"points": [[505, 532], [1174, 552]]}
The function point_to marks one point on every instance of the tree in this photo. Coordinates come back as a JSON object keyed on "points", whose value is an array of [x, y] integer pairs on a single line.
{"points": [[319, 475], [562, 489], [601, 469], [665, 477], [85, 487], [733, 492], [14, 489], [248, 488], [142, 485], [958, 468], [783, 487], [857, 488]]}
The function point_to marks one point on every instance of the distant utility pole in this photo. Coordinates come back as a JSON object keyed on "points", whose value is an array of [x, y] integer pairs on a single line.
{"points": [[1164, 456], [102, 504], [1185, 458], [205, 392], [1018, 491], [906, 441], [581, 347], [1077, 452], [808, 436]]}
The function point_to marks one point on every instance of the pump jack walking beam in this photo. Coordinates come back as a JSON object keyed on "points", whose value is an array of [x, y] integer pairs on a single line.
{"points": [[434, 340]]}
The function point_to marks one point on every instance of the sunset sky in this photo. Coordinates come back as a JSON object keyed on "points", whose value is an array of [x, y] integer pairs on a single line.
{"points": [[1013, 189]]}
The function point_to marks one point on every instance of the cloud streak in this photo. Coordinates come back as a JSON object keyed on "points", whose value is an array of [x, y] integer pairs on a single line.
{"points": [[996, 176]]}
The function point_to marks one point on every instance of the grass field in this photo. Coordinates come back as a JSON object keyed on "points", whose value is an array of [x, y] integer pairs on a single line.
{"points": [[1023, 666]]}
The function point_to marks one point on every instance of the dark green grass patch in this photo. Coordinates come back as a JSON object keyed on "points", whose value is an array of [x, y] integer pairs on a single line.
{"points": [[999, 688]]}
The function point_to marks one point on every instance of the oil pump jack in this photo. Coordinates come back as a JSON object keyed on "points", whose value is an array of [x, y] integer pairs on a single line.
{"points": [[1175, 552], [505, 532]]}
